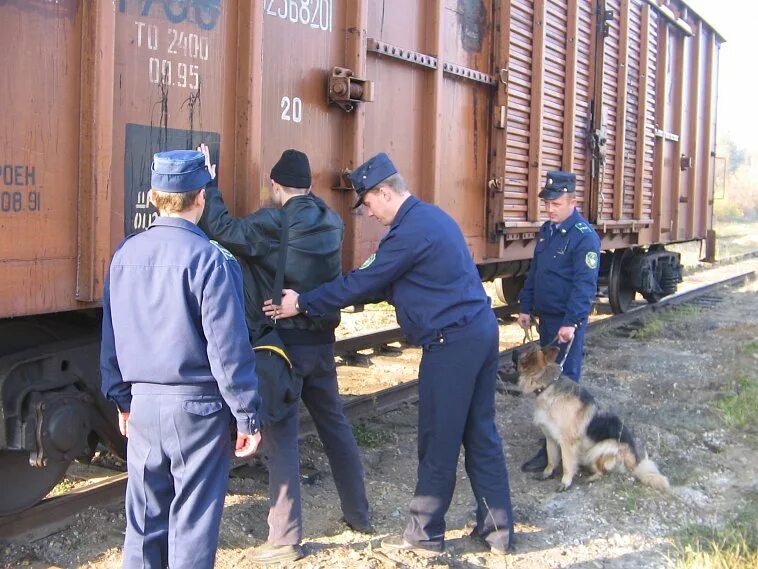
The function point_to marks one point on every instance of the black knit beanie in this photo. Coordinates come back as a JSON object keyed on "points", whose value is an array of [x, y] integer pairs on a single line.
{"points": [[292, 170]]}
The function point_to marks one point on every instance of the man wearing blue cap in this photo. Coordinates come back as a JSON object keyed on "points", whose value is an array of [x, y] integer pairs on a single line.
{"points": [[561, 284], [425, 269], [313, 257], [175, 360]]}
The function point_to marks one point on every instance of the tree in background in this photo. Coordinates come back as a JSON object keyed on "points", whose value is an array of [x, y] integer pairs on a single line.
{"points": [[740, 199]]}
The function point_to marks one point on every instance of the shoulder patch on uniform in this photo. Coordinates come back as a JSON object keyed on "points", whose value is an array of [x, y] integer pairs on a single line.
{"points": [[367, 263], [591, 259], [583, 227], [224, 251]]}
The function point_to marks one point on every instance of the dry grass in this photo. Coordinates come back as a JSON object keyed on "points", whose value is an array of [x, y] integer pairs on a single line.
{"points": [[734, 546], [657, 324], [733, 238], [651, 328], [65, 485], [739, 409]]}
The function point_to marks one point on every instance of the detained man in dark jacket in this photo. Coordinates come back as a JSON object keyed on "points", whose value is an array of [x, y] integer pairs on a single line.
{"points": [[313, 258]]}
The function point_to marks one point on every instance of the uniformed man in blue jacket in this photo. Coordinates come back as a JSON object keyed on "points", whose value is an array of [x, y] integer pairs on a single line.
{"points": [[175, 359], [425, 269], [562, 281]]}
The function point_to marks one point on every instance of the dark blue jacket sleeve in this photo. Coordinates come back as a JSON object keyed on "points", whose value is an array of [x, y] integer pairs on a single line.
{"points": [[239, 235], [584, 288], [526, 295], [229, 351], [394, 257], [113, 386]]}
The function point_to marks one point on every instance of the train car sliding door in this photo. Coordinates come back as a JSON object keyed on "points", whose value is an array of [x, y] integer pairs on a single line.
{"points": [[624, 104], [303, 46]]}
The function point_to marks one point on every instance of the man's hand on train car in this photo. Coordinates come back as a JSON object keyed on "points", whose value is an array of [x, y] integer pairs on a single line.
{"points": [[123, 423], [207, 153], [287, 309]]}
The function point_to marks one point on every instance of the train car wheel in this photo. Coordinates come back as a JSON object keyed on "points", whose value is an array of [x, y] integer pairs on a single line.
{"points": [[24, 485], [507, 289], [620, 293]]}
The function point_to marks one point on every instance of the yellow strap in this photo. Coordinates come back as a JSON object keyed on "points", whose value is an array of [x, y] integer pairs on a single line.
{"points": [[276, 350]]}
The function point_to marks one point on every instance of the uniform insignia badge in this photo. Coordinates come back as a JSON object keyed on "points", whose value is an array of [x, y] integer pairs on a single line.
{"points": [[367, 263], [591, 259], [226, 253], [581, 226]]}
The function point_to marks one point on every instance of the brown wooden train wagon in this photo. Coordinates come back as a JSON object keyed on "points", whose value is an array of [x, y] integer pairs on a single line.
{"points": [[623, 93], [475, 100]]}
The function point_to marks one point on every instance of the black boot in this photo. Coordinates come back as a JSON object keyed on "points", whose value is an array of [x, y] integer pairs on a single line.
{"points": [[539, 461]]}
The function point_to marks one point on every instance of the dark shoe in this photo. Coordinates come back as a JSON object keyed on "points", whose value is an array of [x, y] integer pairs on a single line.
{"points": [[399, 543], [493, 548], [537, 463], [499, 551], [360, 527], [269, 553]]}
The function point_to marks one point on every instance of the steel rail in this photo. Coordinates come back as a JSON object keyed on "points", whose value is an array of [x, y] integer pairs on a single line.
{"points": [[52, 513], [382, 337], [407, 392]]}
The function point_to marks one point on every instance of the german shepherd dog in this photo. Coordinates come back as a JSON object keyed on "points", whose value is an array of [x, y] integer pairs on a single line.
{"points": [[577, 433]]}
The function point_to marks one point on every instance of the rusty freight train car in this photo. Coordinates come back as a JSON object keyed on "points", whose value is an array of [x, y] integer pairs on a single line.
{"points": [[474, 100]]}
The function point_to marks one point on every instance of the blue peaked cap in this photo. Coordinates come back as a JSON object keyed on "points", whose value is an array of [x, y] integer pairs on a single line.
{"points": [[179, 171], [558, 183], [369, 174]]}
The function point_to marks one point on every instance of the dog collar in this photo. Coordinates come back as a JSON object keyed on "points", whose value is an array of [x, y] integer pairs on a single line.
{"points": [[539, 390]]}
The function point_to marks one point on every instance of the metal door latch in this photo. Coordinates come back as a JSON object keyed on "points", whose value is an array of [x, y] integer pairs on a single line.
{"points": [[605, 23], [343, 183], [346, 90]]}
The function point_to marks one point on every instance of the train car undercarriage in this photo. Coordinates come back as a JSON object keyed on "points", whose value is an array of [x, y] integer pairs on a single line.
{"points": [[52, 411]]}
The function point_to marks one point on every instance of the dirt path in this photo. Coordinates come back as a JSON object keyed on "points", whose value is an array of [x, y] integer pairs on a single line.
{"points": [[664, 381]]}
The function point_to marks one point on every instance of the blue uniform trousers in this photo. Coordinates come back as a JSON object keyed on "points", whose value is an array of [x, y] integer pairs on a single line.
{"points": [[315, 364], [457, 380], [548, 329], [178, 455]]}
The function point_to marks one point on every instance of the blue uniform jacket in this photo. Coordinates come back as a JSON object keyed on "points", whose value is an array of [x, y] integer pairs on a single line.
{"points": [[173, 313], [422, 266], [562, 279]]}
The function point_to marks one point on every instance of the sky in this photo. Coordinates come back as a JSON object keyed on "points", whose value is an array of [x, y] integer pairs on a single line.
{"points": [[737, 22]]}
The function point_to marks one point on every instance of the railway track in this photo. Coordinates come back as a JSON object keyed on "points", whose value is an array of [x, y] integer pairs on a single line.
{"points": [[52, 514]]}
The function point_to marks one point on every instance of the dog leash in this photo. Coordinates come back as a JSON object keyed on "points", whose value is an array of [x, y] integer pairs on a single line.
{"points": [[568, 348], [528, 337], [539, 390]]}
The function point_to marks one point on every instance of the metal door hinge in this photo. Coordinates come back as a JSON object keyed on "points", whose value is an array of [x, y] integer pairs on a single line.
{"points": [[346, 90]]}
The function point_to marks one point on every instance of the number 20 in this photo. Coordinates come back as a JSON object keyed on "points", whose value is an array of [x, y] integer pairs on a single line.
{"points": [[296, 105]]}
